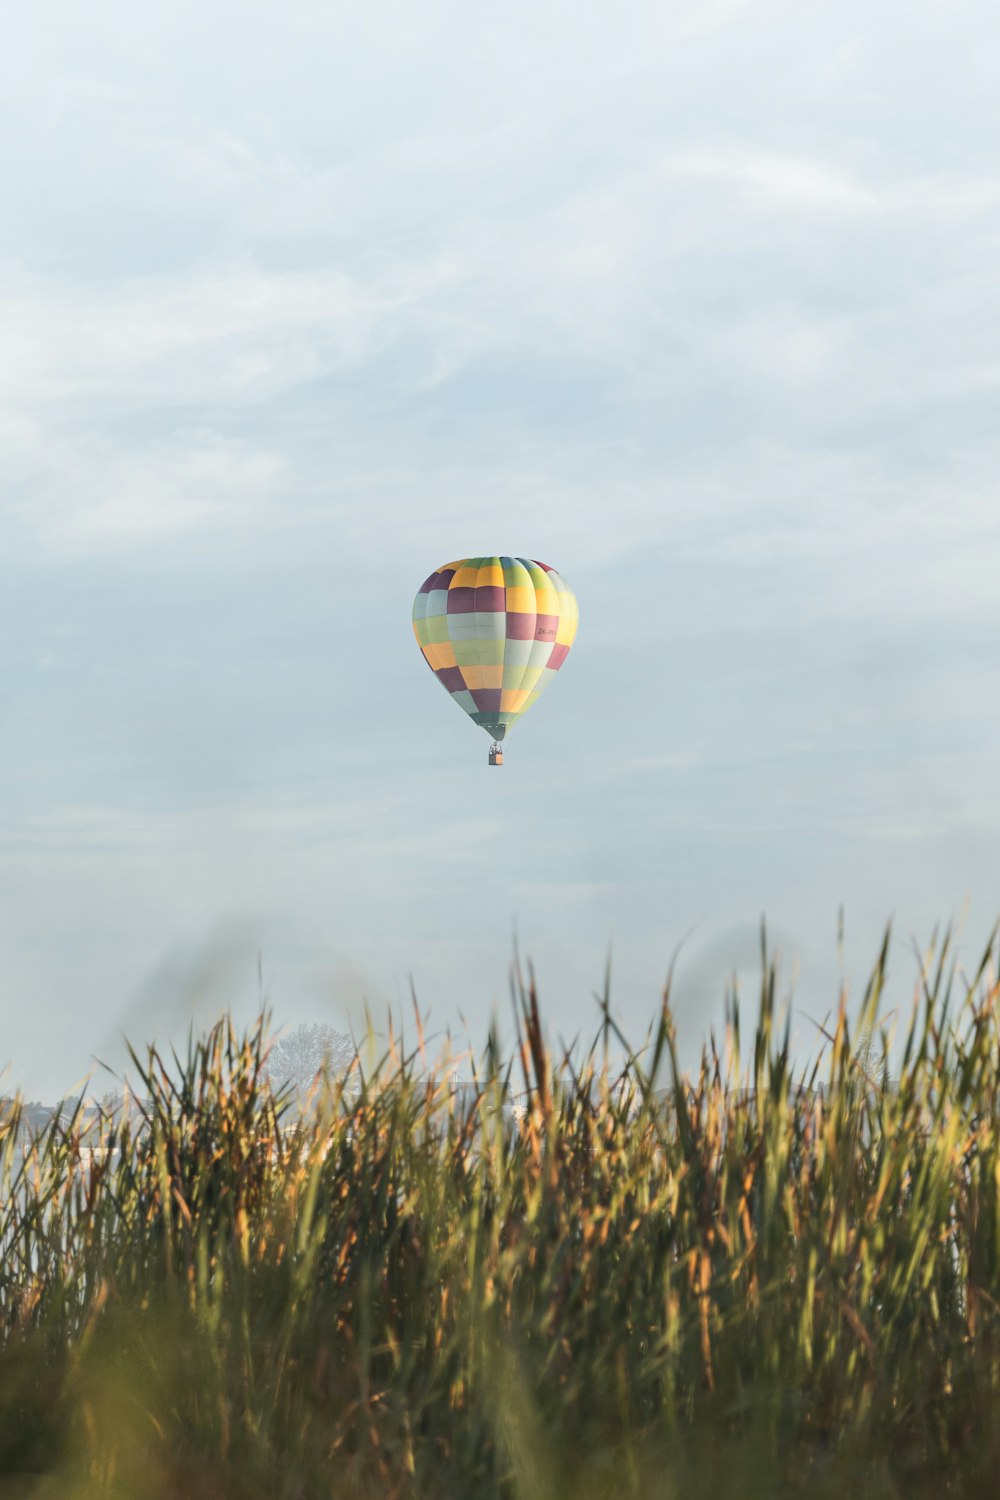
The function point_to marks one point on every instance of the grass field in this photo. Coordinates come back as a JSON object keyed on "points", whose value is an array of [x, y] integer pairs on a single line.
{"points": [[765, 1281]]}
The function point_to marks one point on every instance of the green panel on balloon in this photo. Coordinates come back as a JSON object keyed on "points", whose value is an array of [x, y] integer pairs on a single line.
{"points": [[467, 652], [436, 627], [491, 652]]}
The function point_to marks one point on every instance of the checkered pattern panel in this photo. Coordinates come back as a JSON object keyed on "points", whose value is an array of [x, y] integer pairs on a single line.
{"points": [[494, 631]]}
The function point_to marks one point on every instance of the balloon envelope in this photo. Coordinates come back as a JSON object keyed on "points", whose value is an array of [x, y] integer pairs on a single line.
{"points": [[495, 631]]}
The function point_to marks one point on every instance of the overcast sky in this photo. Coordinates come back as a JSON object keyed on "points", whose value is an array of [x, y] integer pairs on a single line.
{"points": [[698, 303]]}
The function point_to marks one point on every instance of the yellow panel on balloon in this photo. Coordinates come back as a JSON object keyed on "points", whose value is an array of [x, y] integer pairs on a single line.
{"points": [[466, 578], [566, 631], [520, 600], [490, 575], [483, 677], [440, 654]]}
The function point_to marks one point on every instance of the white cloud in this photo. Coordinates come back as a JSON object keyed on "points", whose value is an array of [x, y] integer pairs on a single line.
{"points": [[207, 485], [229, 332], [796, 183]]}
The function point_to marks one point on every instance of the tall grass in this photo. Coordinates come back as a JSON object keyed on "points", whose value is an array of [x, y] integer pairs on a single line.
{"points": [[761, 1279]]}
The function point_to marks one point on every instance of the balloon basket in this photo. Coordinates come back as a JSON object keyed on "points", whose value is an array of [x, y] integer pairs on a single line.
{"points": [[496, 755]]}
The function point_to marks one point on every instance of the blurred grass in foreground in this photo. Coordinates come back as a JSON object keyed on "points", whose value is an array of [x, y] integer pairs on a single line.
{"points": [[752, 1281]]}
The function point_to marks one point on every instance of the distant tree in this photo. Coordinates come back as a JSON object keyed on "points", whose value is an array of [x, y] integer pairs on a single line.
{"points": [[298, 1057]]}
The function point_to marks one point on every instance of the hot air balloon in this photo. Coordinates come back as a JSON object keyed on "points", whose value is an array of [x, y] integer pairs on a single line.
{"points": [[495, 631]]}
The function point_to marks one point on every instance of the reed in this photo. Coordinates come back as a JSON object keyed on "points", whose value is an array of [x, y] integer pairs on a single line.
{"points": [[766, 1278]]}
